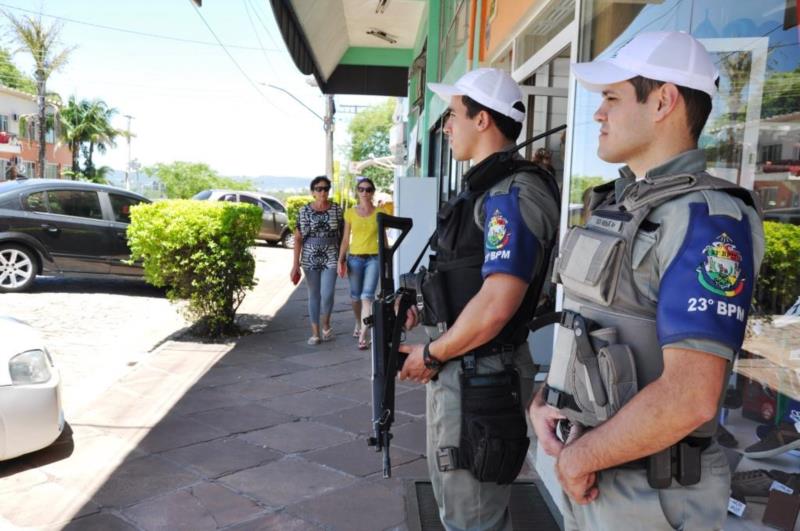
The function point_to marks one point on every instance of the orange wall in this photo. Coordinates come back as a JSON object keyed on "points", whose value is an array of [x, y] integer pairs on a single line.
{"points": [[508, 16]]}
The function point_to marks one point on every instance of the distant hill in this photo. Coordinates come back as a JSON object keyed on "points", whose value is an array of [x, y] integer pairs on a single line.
{"points": [[269, 183]]}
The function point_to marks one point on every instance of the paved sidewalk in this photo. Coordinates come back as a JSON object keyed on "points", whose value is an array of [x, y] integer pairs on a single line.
{"points": [[263, 433]]}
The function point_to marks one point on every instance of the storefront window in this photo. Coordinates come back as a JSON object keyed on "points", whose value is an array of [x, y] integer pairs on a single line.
{"points": [[753, 134], [454, 29], [555, 17]]}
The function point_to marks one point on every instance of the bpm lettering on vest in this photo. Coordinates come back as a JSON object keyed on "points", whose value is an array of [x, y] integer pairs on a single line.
{"points": [[705, 292], [510, 246]]}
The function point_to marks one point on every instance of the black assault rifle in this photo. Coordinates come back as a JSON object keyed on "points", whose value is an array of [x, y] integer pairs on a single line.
{"points": [[388, 317]]}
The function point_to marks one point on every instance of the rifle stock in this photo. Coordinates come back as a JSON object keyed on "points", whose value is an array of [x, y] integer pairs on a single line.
{"points": [[388, 317]]}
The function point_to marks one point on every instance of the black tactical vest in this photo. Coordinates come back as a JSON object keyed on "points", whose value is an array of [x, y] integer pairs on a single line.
{"points": [[459, 245]]}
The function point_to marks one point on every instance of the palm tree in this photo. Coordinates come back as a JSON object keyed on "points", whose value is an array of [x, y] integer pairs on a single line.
{"points": [[73, 128], [100, 134], [41, 41]]}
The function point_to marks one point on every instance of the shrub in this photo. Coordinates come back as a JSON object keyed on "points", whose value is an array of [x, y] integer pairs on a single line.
{"points": [[199, 250], [779, 280]]}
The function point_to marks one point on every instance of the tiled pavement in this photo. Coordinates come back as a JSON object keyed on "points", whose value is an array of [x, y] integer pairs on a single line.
{"points": [[266, 433]]}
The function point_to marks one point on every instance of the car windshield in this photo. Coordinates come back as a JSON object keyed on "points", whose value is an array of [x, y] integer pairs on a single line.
{"points": [[205, 194]]}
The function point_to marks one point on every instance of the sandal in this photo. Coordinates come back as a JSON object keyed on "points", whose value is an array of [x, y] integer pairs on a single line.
{"points": [[328, 334], [357, 331], [363, 343], [314, 340]]}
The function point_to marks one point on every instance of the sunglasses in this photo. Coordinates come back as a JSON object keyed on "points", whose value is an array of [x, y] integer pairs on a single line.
{"points": [[366, 190], [322, 188]]}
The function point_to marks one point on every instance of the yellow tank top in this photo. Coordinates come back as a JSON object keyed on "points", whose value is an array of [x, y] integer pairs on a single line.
{"points": [[363, 231]]}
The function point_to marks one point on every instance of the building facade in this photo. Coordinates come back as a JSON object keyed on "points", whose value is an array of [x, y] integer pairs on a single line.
{"points": [[19, 149], [752, 137]]}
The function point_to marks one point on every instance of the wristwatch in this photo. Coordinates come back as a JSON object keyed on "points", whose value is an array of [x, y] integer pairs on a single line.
{"points": [[429, 361]]}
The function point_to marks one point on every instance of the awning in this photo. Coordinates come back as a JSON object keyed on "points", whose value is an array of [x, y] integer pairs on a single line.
{"points": [[371, 80]]}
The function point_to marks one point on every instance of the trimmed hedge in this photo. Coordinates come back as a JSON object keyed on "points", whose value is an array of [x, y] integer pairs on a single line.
{"points": [[779, 280], [199, 250]]}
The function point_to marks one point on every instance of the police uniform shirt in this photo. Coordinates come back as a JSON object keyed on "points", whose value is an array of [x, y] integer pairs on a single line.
{"points": [[698, 260], [517, 215]]}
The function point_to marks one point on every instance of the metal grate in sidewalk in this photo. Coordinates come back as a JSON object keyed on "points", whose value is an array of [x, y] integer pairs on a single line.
{"points": [[529, 509]]}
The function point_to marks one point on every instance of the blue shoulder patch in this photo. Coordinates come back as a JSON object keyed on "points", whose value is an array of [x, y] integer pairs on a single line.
{"points": [[705, 292], [510, 246]]}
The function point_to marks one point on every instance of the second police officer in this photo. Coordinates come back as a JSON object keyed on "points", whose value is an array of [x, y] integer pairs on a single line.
{"points": [[657, 287], [492, 244]]}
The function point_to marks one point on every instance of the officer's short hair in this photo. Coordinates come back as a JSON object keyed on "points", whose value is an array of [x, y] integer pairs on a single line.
{"points": [[507, 125], [698, 103]]}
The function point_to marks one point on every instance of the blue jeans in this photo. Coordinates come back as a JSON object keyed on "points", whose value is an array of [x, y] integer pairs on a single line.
{"points": [[320, 285], [363, 274]]}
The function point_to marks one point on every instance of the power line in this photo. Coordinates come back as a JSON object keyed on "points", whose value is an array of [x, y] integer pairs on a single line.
{"points": [[253, 83], [266, 30], [255, 31], [135, 32]]}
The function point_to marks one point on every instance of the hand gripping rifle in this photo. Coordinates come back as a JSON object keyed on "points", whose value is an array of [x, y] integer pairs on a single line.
{"points": [[387, 320]]}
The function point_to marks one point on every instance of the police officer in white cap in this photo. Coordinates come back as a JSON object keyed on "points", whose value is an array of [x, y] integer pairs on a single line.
{"points": [[657, 288], [491, 244]]}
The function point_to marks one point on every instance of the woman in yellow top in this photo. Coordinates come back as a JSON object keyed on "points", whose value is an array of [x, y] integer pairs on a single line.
{"points": [[361, 264]]}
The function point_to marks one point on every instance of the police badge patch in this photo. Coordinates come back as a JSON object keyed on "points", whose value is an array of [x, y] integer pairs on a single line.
{"points": [[498, 232], [720, 273]]}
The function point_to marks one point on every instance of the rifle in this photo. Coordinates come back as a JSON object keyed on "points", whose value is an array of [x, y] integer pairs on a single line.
{"points": [[387, 320]]}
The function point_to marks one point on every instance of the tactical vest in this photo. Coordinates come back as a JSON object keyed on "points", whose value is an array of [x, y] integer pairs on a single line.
{"points": [[459, 247], [597, 369]]}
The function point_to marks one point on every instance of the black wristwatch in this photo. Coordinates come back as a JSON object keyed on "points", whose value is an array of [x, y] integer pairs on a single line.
{"points": [[429, 361]]}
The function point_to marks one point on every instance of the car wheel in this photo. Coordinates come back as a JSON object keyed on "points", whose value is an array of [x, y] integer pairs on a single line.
{"points": [[287, 240], [17, 268]]}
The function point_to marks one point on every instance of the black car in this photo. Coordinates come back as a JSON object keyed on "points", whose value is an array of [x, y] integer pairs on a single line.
{"points": [[57, 227]]}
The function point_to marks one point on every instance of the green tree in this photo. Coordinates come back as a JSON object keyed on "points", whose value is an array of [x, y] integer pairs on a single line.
{"points": [[369, 138], [781, 94], [99, 133], [12, 77], [41, 42], [184, 179]]}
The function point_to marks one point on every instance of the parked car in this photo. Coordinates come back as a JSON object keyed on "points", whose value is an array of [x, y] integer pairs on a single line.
{"points": [[58, 227], [31, 417], [275, 222], [784, 215]]}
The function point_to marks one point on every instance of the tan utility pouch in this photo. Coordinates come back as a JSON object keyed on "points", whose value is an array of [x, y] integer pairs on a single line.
{"points": [[589, 264], [617, 374]]}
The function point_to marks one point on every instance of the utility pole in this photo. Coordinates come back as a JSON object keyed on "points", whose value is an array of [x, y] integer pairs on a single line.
{"points": [[128, 166], [330, 110]]}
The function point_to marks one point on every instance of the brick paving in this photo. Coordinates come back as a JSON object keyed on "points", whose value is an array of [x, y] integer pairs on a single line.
{"points": [[262, 433]]}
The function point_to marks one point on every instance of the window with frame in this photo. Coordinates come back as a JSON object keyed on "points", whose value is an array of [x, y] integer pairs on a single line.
{"points": [[121, 206], [50, 171], [253, 201], [3, 122], [453, 30], [275, 204], [79, 203], [35, 202]]}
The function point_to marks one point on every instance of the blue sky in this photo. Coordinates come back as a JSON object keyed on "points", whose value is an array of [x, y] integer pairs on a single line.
{"points": [[190, 101]]}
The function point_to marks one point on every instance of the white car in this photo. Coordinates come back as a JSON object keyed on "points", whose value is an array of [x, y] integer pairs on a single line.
{"points": [[31, 417]]}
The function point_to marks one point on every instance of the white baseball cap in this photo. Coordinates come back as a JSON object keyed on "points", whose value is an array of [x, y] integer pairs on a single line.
{"points": [[669, 56], [491, 87]]}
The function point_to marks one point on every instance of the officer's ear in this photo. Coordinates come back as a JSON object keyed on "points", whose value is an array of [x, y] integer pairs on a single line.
{"points": [[667, 99], [483, 120]]}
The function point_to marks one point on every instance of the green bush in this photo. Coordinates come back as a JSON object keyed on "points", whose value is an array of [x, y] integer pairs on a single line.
{"points": [[199, 250], [295, 202], [779, 280]]}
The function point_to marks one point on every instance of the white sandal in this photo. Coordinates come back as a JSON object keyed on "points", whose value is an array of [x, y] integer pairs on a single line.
{"points": [[328, 335], [314, 340]]}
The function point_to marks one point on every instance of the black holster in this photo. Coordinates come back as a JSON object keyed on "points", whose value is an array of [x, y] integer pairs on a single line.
{"points": [[494, 434]]}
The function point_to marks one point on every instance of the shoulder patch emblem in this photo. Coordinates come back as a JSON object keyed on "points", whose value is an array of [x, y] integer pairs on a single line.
{"points": [[720, 272], [499, 232]]}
